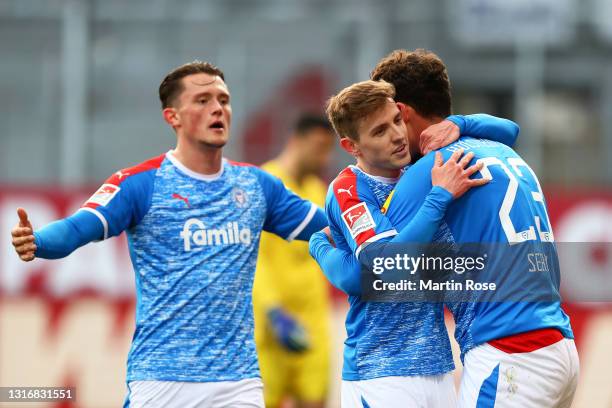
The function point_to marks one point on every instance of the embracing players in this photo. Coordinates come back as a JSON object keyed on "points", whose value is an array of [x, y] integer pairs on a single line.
{"points": [[516, 353], [396, 354]]}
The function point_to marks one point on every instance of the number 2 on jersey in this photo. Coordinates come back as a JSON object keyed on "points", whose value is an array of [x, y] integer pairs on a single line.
{"points": [[504, 212]]}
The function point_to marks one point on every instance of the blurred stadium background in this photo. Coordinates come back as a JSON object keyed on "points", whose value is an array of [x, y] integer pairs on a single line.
{"points": [[78, 86]]}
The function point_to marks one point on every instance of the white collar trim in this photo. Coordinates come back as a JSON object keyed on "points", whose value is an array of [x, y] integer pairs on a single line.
{"points": [[198, 176], [387, 180]]}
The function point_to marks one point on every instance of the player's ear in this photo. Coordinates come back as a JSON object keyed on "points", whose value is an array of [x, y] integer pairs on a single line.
{"points": [[171, 117], [349, 146], [406, 111]]}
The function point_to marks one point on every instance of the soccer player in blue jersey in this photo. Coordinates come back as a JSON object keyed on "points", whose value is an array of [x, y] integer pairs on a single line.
{"points": [[391, 346], [516, 353], [193, 221]]}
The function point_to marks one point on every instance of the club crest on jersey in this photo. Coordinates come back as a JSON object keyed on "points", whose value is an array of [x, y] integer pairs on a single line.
{"points": [[104, 194], [358, 219], [240, 198]]}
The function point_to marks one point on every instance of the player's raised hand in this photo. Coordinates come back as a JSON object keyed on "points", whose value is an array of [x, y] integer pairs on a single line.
{"points": [[438, 135], [23, 237], [454, 175], [288, 331]]}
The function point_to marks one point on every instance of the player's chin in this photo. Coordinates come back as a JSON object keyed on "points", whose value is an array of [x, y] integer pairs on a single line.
{"points": [[218, 140], [215, 144], [401, 160]]}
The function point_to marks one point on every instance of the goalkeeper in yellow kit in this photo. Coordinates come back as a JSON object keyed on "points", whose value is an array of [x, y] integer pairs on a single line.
{"points": [[290, 294]]}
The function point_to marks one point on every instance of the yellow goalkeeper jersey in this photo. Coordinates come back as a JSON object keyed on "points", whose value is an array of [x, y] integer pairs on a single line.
{"points": [[286, 274]]}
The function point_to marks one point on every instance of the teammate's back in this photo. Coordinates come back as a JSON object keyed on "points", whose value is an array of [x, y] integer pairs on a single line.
{"points": [[512, 331], [507, 217], [509, 209]]}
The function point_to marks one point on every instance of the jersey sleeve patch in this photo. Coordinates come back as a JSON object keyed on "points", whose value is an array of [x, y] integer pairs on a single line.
{"points": [[102, 196], [355, 213], [358, 219]]}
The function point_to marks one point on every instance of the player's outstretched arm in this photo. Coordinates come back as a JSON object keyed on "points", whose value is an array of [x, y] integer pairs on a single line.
{"points": [[56, 240], [288, 215], [318, 221], [478, 125]]}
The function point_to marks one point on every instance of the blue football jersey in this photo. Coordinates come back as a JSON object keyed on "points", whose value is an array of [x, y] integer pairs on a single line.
{"points": [[193, 242], [383, 339], [509, 209]]}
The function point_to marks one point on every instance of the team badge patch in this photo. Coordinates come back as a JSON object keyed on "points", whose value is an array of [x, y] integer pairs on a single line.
{"points": [[358, 219], [104, 194], [240, 198]]}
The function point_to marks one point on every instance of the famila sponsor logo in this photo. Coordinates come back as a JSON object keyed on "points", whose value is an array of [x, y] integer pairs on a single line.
{"points": [[232, 234]]}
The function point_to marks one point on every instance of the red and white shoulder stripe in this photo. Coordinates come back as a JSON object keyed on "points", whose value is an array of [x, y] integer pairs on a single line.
{"points": [[354, 211], [112, 185]]}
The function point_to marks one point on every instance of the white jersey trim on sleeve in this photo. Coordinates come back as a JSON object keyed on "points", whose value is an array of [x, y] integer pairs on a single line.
{"points": [[389, 233], [304, 223], [100, 217]]}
